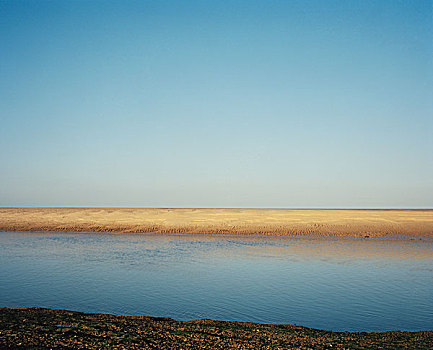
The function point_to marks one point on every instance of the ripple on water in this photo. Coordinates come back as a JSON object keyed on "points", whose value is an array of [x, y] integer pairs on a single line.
{"points": [[338, 284]]}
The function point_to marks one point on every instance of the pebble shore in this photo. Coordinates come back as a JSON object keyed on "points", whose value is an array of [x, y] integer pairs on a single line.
{"points": [[37, 328]]}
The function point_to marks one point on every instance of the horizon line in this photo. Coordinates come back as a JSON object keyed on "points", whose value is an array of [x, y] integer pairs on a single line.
{"points": [[259, 208]]}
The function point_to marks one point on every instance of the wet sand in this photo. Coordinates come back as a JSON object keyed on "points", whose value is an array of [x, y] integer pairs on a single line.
{"points": [[281, 222], [35, 328]]}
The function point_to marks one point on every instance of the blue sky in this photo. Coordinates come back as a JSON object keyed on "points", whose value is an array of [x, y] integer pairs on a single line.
{"points": [[216, 103]]}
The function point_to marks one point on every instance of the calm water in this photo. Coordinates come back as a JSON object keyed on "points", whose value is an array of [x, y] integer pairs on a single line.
{"points": [[337, 284]]}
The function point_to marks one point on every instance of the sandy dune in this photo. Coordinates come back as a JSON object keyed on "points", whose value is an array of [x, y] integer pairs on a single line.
{"points": [[357, 223]]}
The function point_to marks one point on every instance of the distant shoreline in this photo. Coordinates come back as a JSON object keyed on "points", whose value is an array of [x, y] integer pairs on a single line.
{"points": [[406, 223]]}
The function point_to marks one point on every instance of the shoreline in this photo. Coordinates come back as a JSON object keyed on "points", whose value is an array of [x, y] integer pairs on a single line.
{"points": [[51, 328], [401, 223]]}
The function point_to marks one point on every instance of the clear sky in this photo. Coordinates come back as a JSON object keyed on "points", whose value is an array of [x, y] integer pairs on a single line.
{"points": [[216, 103]]}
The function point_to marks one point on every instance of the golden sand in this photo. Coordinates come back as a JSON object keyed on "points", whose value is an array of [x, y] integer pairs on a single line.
{"points": [[287, 222]]}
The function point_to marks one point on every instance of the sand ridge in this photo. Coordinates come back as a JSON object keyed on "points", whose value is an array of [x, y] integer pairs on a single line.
{"points": [[282, 222]]}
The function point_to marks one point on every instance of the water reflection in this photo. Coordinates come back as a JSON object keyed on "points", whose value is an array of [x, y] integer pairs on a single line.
{"points": [[339, 284]]}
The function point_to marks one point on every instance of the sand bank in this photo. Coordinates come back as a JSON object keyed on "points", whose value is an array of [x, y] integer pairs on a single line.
{"points": [[282, 222]]}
